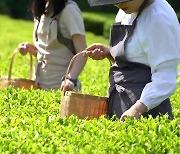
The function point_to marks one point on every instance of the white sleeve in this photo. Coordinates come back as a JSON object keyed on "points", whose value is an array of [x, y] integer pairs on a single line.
{"points": [[162, 86], [162, 46], [161, 41], [72, 19]]}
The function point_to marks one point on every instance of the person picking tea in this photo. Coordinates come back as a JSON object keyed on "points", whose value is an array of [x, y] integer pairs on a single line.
{"points": [[145, 51]]}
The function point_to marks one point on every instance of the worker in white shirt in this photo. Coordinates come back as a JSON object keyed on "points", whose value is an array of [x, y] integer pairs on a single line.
{"points": [[145, 51]]}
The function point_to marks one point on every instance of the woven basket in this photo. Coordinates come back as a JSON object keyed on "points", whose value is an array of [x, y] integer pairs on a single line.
{"points": [[81, 105], [17, 82]]}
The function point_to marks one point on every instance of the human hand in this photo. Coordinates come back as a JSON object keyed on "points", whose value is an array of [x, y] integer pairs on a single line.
{"points": [[97, 51], [135, 111], [130, 113], [23, 48], [26, 47], [68, 87]]}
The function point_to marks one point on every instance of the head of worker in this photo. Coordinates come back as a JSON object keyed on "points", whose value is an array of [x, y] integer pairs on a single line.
{"points": [[128, 6]]}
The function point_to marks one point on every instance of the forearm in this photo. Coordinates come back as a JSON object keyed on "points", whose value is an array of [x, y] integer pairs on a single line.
{"points": [[139, 107], [162, 86], [77, 66]]}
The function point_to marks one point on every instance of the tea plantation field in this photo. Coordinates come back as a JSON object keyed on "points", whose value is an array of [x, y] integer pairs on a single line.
{"points": [[30, 122]]}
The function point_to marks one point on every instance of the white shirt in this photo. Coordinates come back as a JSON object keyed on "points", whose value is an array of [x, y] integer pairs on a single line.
{"points": [[156, 43], [71, 21]]}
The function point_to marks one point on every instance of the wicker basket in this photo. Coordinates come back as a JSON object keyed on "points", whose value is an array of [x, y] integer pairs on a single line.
{"points": [[81, 105], [17, 82]]}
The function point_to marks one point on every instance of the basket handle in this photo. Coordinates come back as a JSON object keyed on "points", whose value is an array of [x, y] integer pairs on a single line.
{"points": [[68, 69], [12, 61]]}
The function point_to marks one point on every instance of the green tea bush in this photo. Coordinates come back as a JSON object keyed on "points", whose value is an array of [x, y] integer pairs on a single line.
{"points": [[30, 121]]}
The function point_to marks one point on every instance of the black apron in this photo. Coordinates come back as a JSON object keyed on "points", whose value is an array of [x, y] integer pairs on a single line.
{"points": [[127, 79]]}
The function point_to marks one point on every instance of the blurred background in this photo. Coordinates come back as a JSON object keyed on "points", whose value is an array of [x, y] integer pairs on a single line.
{"points": [[19, 8]]}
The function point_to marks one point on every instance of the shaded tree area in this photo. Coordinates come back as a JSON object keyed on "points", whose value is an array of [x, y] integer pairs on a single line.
{"points": [[16, 9], [19, 8]]}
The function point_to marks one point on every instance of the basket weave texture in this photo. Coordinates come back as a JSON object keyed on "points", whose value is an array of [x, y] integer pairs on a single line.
{"points": [[81, 105], [17, 82]]}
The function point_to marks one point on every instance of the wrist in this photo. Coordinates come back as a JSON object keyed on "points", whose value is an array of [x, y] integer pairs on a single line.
{"points": [[140, 107], [73, 80]]}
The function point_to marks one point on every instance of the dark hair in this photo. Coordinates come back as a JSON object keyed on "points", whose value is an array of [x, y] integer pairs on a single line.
{"points": [[37, 7]]}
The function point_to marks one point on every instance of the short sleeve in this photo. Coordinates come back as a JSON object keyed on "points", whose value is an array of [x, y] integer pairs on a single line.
{"points": [[71, 20]]}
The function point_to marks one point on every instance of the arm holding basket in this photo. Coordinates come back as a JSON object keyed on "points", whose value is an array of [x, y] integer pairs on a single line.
{"points": [[78, 64]]}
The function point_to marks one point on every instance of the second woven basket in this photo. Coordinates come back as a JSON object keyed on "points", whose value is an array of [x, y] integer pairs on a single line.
{"points": [[17, 82]]}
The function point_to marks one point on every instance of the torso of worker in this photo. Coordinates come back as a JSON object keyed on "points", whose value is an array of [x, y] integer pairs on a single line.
{"points": [[54, 56], [155, 43]]}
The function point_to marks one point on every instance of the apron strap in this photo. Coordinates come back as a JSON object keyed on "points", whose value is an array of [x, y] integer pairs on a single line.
{"points": [[36, 36], [131, 30], [141, 9], [63, 40]]}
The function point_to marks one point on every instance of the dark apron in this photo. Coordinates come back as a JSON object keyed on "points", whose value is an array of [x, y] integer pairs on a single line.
{"points": [[127, 79]]}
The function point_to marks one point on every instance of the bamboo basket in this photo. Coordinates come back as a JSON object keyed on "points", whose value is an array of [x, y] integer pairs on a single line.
{"points": [[17, 82], [81, 105]]}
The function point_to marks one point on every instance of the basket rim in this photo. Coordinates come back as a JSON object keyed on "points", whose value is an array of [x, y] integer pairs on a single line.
{"points": [[15, 79], [75, 94]]}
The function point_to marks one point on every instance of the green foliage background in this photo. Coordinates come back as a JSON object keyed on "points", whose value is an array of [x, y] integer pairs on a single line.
{"points": [[18, 8], [30, 122]]}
